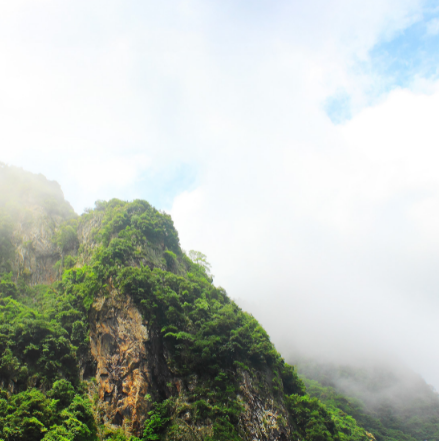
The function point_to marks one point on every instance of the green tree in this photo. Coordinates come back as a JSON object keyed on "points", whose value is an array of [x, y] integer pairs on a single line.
{"points": [[201, 259]]}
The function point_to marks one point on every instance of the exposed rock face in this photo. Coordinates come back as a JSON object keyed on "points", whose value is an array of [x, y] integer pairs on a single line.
{"points": [[36, 253], [86, 238], [118, 339], [130, 362], [264, 417]]}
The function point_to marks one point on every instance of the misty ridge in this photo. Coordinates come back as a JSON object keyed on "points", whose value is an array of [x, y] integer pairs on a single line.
{"points": [[22, 191], [343, 360], [376, 373], [375, 384], [388, 399]]}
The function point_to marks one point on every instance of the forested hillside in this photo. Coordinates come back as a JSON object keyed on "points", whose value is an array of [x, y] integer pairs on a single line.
{"points": [[109, 331], [391, 402]]}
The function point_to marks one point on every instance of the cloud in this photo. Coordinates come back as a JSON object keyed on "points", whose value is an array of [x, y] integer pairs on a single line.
{"points": [[330, 237], [326, 232]]}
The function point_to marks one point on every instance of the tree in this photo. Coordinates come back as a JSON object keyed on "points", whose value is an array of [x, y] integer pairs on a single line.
{"points": [[201, 259]]}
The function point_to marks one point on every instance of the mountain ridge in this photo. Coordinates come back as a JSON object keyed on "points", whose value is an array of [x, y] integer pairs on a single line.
{"points": [[109, 331]]}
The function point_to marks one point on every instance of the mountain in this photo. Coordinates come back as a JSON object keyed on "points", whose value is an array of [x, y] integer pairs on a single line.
{"points": [[109, 331], [390, 401]]}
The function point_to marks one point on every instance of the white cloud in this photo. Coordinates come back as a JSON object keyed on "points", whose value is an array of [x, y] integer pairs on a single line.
{"points": [[331, 230], [329, 234]]}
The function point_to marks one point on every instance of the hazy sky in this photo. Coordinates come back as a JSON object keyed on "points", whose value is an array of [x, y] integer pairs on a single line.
{"points": [[295, 143]]}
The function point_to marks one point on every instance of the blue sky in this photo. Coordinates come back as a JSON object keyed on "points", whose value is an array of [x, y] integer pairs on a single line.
{"points": [[394, 61], [294, 143], [412, 52]]}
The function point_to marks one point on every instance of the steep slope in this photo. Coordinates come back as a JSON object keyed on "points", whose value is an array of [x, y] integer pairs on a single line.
{"points": [[159, 328], [120, 335]]}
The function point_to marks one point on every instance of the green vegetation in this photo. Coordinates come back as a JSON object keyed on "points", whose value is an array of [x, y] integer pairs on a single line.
{"points": [[60, 414], [157, 421], [66, 237], [41, 336], [200, 259]]}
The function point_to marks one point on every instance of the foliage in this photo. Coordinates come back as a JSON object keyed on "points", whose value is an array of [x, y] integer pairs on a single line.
{"points": [[158, 418], [7, 287], [139, 223], [40, 342], [42, 333], [314, 422], [31, 415], [66, 237], [410, 412], [201, 259], [110, 433]]}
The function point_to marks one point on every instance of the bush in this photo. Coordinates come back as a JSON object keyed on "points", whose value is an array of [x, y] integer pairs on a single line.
{"points": [[171, 260], [157, 421], [67, 239], [8, 288]]}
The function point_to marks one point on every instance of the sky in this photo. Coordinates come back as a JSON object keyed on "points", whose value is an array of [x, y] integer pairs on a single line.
{"points": [[294, 143]]}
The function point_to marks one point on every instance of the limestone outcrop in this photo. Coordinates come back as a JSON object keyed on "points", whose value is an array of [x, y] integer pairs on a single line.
{"points": [[36, 252], [131, 366], [118, 341]]}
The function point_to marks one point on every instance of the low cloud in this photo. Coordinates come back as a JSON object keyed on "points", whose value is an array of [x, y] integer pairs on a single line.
{"points": [[328, 234], [334, 249]]}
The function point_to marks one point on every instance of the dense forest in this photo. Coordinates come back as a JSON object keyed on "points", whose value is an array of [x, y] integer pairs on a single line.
{"points": [[211, 371]]}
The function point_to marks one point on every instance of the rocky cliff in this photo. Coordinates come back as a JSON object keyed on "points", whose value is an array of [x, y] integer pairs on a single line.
{"points": [[125, 361], [138, 364], [36, 252], [132, 364], [108, 305], [35, 208]]}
